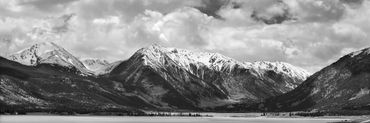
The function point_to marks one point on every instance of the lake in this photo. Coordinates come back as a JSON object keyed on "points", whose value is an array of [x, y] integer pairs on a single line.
{"points": [[126, 119]]}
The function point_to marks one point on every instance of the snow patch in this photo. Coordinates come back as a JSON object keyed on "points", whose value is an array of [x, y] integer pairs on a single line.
{"points": [[361, 93], [367, 51], [364, 51], [315, 91], [355, 53]]}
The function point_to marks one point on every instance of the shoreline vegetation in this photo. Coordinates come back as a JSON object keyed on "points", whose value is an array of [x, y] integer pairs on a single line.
{"points": [[120, 112], [350, 117], [262, 115], [101, 119], [149, 114], [179, 114]]}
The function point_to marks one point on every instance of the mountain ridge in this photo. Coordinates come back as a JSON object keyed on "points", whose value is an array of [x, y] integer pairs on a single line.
{"points": [[216, 61], [159, 78]]}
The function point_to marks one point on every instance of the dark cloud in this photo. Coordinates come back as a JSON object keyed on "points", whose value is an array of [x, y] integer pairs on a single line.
{"points": [[322, 11], [211, 7], [353, 3], [277, 14], [236, 5], [61, 24], [276, 19], [47, 5]]}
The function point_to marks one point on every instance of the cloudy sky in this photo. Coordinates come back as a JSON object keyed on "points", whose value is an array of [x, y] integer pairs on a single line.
{"points": [[306, 33]]}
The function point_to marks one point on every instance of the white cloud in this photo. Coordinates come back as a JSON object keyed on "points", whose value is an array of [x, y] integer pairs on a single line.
{"points": [[108, 20]]}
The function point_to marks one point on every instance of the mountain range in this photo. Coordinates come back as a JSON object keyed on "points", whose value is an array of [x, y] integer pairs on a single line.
{"points": [[47, 77]]}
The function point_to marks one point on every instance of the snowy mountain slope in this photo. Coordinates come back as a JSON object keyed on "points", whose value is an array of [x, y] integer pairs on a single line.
{"points": [[98, 66], [50, 53], [199, 79], [280, 67], [289, 70], [94, 64], [342, 85]]}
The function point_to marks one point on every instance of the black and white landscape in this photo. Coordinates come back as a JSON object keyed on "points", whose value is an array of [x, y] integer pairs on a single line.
{"points": [[173, 60]]}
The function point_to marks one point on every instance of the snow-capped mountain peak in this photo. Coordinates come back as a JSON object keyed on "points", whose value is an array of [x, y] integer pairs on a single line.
{"points": [[47, 52], [30, 55]]}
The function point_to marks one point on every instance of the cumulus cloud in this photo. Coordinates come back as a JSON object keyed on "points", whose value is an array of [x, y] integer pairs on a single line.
{"points": [[306, 33]]}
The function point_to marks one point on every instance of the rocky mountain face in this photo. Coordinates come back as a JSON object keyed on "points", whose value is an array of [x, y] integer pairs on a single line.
{"points": [[50, 53], [344, 85], [177, 78], [154, 78]]}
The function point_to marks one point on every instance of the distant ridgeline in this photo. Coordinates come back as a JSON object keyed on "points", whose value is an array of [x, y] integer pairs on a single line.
{"points": [[46, 78]]}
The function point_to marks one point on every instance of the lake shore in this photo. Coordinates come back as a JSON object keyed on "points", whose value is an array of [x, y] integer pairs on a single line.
{"points": [[146, 119]]}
